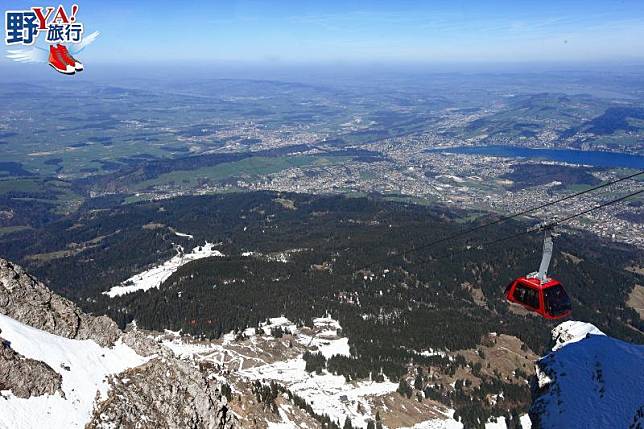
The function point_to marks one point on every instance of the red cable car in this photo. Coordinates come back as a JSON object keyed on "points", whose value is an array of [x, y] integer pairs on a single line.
{"points": [[547, 299], [539, 293]]}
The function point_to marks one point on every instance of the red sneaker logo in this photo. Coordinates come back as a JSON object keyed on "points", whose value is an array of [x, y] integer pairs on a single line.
{"points": [[51, 35], [58, 56], [60, 60]]}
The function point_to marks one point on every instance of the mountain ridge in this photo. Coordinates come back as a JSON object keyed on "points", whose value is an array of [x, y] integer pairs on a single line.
{"points": [[589, 380], [70, 369]]}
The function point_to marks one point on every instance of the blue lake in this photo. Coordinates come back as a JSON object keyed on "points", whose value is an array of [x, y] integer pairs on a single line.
{"points": [[595, 158]]}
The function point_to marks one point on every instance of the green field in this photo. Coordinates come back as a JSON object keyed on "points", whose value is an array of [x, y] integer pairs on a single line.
{"points": [[6, 230], [20, 185], [43, 190], [250, 168]]}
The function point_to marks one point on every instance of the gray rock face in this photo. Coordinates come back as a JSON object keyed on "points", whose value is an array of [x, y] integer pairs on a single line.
{"points": [[144, 344], [167, 393], [26, 377], [27, 300]]}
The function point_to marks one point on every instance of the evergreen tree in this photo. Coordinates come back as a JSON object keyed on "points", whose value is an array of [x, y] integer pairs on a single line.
{"points": [[347, 423], [418, 382], [403, 388]]}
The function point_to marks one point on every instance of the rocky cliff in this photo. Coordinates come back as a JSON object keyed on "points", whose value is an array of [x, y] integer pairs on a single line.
{"points": [[28, 301], [60, 367], [26, 377]]}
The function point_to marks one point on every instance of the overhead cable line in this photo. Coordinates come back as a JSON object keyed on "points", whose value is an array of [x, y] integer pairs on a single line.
{"points": [[515, 215], [541, 227]]}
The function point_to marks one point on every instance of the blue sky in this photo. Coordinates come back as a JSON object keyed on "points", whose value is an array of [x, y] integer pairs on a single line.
{"points": [[362, 31]]}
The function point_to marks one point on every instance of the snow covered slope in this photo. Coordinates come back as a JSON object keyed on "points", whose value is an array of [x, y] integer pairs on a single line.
{"points": [[154, 277], [571, 332], [590, 380], [264, 358], [61, 368], [83, 365]]}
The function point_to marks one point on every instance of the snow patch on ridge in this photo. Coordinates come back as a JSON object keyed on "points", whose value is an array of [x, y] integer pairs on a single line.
{"points": [[244, 357], [327, 393], [283, 256], [589, 380], [572, 331], [563, 334], [89, 364], [328, 341], [181, 234], [154, 277]]}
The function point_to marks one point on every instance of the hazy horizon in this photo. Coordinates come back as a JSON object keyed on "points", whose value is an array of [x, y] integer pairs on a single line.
{"points": [[311, 72], [440, 33]]}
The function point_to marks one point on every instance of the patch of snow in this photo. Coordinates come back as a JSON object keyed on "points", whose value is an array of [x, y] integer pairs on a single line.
{"points": [[89, 365], [327, 322], [542, 378], [281, 322], [525, 421], [327, 393], [431, 352], [181, 234], [452, 177], [447, 423], [223, 353], [154, 277], [572, 331], [283, 257], [183, 349], [332, 348], [328, 340]]}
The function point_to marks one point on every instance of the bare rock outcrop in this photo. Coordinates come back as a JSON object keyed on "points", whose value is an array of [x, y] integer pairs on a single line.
{"points": [[164, 392], [143, 343], [27, 300], [26, 377], [167, 393]]}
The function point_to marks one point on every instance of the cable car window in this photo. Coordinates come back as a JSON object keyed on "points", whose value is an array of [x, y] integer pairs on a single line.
{"points": [[556, 300], [526, 295]]}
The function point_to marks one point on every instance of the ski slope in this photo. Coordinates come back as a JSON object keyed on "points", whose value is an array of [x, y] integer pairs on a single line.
{"points": [[154, 277]]}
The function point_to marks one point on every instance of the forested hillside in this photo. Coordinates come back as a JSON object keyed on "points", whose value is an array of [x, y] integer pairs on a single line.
{"points": [[337, 250], [302, 256]]}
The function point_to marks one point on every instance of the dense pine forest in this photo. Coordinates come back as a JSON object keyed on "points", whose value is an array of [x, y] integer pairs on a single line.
{"points": [[341, 255]]}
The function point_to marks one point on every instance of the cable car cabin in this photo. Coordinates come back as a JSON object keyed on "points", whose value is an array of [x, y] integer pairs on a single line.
{"points": [[548, 299]]}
